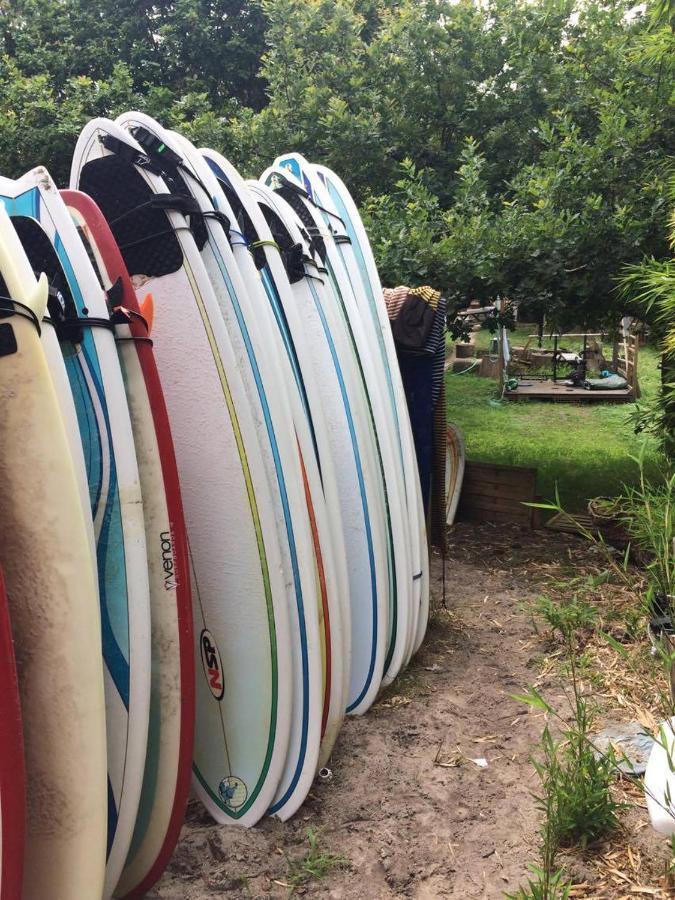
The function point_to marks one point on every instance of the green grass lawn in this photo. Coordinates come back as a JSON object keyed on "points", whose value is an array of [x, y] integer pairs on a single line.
{"points": [[585, 449]]}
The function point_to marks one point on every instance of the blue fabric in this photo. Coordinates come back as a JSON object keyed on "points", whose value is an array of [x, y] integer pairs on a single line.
{"points": [[417, 372]]}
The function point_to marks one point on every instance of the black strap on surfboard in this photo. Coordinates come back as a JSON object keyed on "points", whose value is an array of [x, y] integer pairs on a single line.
{"points": [[188, 206], [162, 161], [172, 167], [329, 212], [11, 307], [177, 202], [296, 197], [292, 254], [312, 200], [70, 327], [247, 229], [311, 264], [289, 185]]}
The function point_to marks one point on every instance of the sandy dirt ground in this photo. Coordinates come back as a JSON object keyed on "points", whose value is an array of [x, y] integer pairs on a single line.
{"points": [[430, 793]]}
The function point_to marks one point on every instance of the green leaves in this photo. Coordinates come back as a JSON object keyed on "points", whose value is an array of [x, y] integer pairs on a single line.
{"points": [[534, 699], [507, 147]]}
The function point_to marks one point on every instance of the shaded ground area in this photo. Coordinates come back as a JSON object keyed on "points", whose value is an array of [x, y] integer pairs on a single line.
{"points": [[411, 810]]}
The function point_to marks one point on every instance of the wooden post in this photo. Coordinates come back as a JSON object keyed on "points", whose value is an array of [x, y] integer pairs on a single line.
{"points": [[500, 344]]}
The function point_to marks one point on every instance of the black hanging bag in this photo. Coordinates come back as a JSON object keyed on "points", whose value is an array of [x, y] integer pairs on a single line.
{"points": [[412, 326]]}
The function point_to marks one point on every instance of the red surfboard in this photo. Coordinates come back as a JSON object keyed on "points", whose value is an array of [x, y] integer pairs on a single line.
{"points": [[172, 750], [12, 775]]}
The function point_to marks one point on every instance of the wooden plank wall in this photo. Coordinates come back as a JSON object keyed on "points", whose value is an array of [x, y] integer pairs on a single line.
{"points": [[496, 493], [627, 365]]}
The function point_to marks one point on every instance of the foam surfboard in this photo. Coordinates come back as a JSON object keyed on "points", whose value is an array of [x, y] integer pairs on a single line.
{"points": [[358, 253], [454, 471], [261, 261], [404, 611], [370, 622], [403, 606], [54, 613], [12, 770], [250, 249], [252, 339], [168, 762], [244, 677], [362, 251], [50, 239]]}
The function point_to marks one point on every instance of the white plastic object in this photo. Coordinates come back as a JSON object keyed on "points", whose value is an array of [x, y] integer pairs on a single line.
{"points": [[660, 780]]}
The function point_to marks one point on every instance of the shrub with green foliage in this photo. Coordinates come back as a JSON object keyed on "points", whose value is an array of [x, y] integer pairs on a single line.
{"points": [[504, 146]]}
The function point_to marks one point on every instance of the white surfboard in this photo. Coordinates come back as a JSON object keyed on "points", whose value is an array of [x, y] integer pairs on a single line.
{"points": [[260, 264], [359, 255], [370, 622], [252, 338], [269, 284], [168, 764], [403, 531], [240, 589]]}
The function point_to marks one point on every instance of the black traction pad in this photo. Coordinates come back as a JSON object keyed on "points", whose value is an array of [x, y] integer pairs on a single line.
{"points": [[44, 258], [145, 236]]}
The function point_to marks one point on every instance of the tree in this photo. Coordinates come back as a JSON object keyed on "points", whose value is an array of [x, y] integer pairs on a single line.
{"points": [[39, 123], [210, 46], [509, 146]]}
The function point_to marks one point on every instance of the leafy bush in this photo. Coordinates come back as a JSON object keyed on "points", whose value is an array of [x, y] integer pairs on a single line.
{"points": [[534, 135], [648, 511]]}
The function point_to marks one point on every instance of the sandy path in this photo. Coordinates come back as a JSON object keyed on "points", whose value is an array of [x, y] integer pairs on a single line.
{"points": [[407, 807]]}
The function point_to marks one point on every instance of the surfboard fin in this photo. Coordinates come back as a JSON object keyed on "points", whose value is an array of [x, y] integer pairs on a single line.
{"points": [[147, 310], [37, 300]]}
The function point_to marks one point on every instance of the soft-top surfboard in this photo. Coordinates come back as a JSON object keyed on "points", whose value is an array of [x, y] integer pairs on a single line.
{"points": [[252, 338], [275, 339], [53, 604], [370, 619], [454, 471], [342, 217], [239, 590], [166, 780], [267, 271], [80, 316], [12, 770]]}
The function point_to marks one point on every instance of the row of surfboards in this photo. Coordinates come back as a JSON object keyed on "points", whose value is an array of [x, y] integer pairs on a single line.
{"points": [[211, 529]]}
